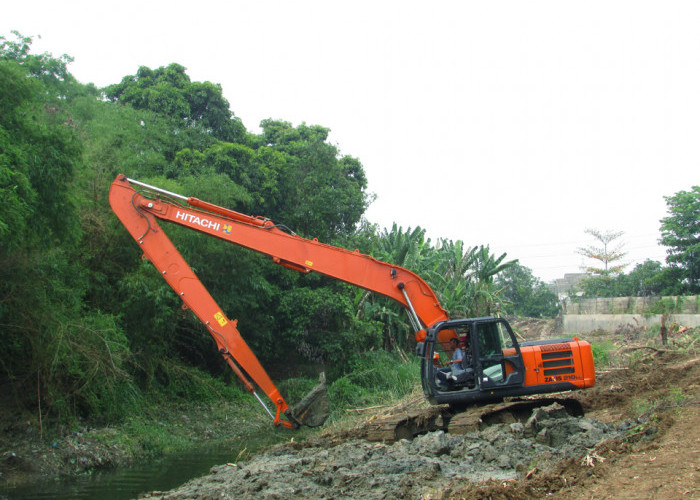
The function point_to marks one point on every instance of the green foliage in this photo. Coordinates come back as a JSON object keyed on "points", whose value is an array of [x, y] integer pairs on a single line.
{"points": [[57, 357], [50, 71], [601, 353], [320, 194], [346, 394], [85, 370], [255, 173], [168, 91], [680, 232], [16, 192], [646, 279], [666, 305], [175, 381], [526, 294], [642, 281], [676, 396], [385, 371], [407, 249], [68, 363], [372, 379], [322, 327], [37, 159], [465, 279]]}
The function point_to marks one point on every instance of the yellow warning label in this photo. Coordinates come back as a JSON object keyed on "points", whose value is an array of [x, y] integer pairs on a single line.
{"points": [[221, 318], [309, 263]]}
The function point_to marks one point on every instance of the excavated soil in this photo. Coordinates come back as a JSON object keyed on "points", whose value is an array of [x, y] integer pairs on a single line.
{"points": [[638, 439]]}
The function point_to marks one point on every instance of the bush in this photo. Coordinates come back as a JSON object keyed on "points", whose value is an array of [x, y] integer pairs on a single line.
{"points": [[174, 381], [601, 352], [376, 376]]}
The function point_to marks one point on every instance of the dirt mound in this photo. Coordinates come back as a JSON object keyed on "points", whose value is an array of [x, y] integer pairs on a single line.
{"points": [[657, 406], [534, 328]]}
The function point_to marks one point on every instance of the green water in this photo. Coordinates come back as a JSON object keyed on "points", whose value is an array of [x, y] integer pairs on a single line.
{"points": [[158, 475]]}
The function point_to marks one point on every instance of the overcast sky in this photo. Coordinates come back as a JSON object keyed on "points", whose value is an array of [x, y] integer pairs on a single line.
{"points": [[516, 124]]}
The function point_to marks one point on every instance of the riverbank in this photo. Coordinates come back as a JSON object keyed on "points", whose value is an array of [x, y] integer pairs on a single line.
{"points": [[32, 454], [27, 455]]}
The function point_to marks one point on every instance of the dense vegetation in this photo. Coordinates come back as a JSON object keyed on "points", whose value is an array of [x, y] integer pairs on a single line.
{"points": [[87, 329], [90, 330]]}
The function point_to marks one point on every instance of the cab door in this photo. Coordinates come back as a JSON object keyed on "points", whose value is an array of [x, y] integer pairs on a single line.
{"points": [[497, 357]]}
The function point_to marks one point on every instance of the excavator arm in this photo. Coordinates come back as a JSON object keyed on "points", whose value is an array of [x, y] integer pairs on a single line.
{"points": [[140, 207]]}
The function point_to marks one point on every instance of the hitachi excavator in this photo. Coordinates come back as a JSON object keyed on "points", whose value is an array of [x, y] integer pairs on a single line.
{"points": [[491, 365]]}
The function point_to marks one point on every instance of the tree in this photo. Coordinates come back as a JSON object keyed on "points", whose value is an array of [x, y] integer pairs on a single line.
{"points": [[51, 71], [451, 277], [321, 194], [527, 295], [168, 91], [642, 281], [328, 329], [486, 295], [607, 254], [409, 249], [73, 358], [680, 232], [464, 279], [37, 158], [648, 278]]}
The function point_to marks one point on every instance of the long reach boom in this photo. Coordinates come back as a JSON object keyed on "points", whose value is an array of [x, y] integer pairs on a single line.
{"points": [[139, 207], [463, 361]]}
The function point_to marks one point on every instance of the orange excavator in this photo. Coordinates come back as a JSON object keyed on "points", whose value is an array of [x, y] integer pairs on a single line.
{"points": [[463, 361]]}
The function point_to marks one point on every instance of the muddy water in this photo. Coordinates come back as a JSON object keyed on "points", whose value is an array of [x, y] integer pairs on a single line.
{"points": [[162, 474]]}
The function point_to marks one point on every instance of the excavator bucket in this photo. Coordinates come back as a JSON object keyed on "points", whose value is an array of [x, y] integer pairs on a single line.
{"points": [[314, 409]]}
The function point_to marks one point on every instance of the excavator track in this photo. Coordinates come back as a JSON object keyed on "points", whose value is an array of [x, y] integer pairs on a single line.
{"points": [[411, 423], [405, 425]]}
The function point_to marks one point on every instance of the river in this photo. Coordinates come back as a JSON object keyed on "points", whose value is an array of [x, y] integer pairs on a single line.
{"points": [[162, 474]]}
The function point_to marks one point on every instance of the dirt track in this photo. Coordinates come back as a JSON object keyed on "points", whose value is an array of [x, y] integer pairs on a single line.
{"points": [[638, 419]]}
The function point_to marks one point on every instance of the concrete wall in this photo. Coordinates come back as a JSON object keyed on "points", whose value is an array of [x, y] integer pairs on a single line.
{"points": [[587, 315], [628, 305], [584, 323]]}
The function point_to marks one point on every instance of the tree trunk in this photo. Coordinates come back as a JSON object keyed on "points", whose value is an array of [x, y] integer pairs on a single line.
{"points": [[664, 337]]}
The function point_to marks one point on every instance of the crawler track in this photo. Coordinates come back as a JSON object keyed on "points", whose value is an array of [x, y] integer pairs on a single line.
{"points": [[410, 423]]}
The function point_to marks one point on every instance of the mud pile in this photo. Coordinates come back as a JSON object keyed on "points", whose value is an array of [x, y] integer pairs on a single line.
{"points": [[405, 469]]}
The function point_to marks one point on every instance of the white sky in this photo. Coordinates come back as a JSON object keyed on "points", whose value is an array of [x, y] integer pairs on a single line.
{"points": [[510, 123]]}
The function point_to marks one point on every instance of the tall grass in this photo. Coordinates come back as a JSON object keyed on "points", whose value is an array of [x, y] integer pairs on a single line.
{"points": [[377, 378], [374, 378]]}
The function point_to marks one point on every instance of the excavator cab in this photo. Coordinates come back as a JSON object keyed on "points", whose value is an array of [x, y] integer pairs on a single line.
{"points": [[499, 360], [491, 367]]}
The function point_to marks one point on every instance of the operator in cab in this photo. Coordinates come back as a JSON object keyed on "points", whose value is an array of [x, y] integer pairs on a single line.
{"points": [[454, 364]]}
